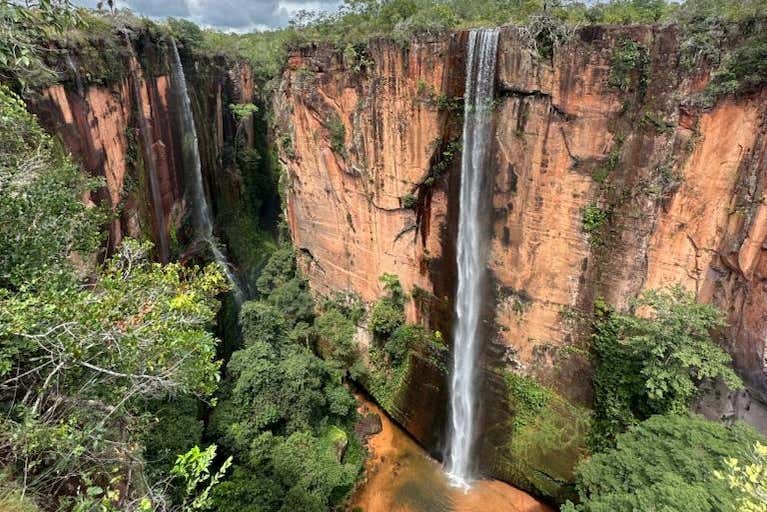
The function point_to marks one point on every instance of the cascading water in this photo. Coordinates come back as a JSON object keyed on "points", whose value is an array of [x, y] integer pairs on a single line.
{"points": [[471, 243], [203, 222]]}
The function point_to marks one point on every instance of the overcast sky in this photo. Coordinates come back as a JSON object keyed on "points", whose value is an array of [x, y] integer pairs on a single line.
{"points": [[239, 15]]}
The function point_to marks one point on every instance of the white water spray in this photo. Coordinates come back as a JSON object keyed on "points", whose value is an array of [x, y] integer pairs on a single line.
{"points": [[203, 223], [477, 122]]}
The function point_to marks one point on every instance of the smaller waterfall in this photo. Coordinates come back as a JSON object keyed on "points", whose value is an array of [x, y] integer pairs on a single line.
{"points": [[471, 252], [203, 221], [78, 79]]}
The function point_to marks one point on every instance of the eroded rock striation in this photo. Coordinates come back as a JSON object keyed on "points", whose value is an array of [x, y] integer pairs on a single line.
{"points": [[605, 185], [127, 130]]}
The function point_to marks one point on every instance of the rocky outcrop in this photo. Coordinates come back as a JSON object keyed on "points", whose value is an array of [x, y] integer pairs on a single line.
{"points": [[127, 132], [672, 193]]}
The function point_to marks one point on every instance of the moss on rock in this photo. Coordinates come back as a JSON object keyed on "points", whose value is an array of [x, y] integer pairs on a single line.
{"points": [[535, 438]]}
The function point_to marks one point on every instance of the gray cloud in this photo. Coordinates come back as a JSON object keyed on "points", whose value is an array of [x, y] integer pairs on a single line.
{"points": [[237, 15]]}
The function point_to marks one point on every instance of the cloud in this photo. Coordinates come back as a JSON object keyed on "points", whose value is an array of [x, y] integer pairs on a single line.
{"points": [[239, 15]]}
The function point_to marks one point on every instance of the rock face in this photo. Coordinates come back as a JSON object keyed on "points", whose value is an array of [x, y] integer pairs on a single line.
{"points": [[675, 191], [127, 131]]}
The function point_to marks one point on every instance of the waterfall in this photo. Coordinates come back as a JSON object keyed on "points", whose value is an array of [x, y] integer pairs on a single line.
{"points": [[471, 252], [203, 222], [78, 79]]}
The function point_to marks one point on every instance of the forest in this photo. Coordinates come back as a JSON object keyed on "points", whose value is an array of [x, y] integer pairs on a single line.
{"points": [[132, 384]]}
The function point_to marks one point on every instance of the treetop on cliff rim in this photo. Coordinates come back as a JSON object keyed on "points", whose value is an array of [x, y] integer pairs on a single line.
{"points": [[728, 35]]}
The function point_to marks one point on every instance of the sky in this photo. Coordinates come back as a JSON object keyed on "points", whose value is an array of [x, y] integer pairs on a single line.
{"points": [[236, 15]]}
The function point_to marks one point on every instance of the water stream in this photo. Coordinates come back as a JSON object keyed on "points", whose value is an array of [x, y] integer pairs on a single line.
{"points": [[471, 253], [203, 220]]}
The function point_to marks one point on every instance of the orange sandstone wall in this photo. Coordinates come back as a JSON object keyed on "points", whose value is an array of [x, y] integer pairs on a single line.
{"points": [[127, 130], [684, 185]]}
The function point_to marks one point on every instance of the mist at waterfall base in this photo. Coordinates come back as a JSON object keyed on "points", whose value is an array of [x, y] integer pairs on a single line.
{"points": [[471, 254], [203, 221]]}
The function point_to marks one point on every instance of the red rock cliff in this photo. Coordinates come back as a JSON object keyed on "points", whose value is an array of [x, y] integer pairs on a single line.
{"points": [[128, 132], [684, 185]]}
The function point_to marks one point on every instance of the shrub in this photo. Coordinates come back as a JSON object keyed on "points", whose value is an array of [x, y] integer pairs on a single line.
{"points": [[337, 132], [385, 317], [667, 462], [629, 63], [653, 363], [241, 111], [593, 217], [409, 201]]}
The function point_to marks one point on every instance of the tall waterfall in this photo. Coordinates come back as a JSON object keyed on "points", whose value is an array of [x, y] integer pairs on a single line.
{"points": [[203, 222], [471, 252]]}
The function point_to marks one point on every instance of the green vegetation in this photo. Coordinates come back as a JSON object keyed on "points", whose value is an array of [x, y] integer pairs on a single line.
{"points": [[652, 362], [395, 345], [22, 52], [388, 313], [337, 135], [748, 478], [544, 437], [283, 413], [88, 350], [629, 67], [602, 172], [444, 155], [242, 111], [668, 462], [593, 218], [409, 201], [111, 395]]}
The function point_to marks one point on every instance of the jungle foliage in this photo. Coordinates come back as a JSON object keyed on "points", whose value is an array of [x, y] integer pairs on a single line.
{"points": [[88, 351], [284, 413]]}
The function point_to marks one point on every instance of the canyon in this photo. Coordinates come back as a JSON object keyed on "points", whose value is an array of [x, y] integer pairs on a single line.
{"points": [[131, 131], [370, 149], [372, 188]]}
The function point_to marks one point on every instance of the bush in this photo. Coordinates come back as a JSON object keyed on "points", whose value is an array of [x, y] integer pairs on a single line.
{"points": [[338, 331], [409, 201], [629, 63], [385, 318], [667, 462], [337, 135], [593, 217], [653, 363]]}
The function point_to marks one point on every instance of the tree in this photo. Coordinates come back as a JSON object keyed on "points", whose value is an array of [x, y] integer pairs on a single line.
{"points": [[652, 360], [664, 463], [285, 410], [86, 349], [748, 478]]}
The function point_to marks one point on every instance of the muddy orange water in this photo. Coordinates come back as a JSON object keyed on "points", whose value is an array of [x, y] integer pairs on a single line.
{"points": [[401, 477]]}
